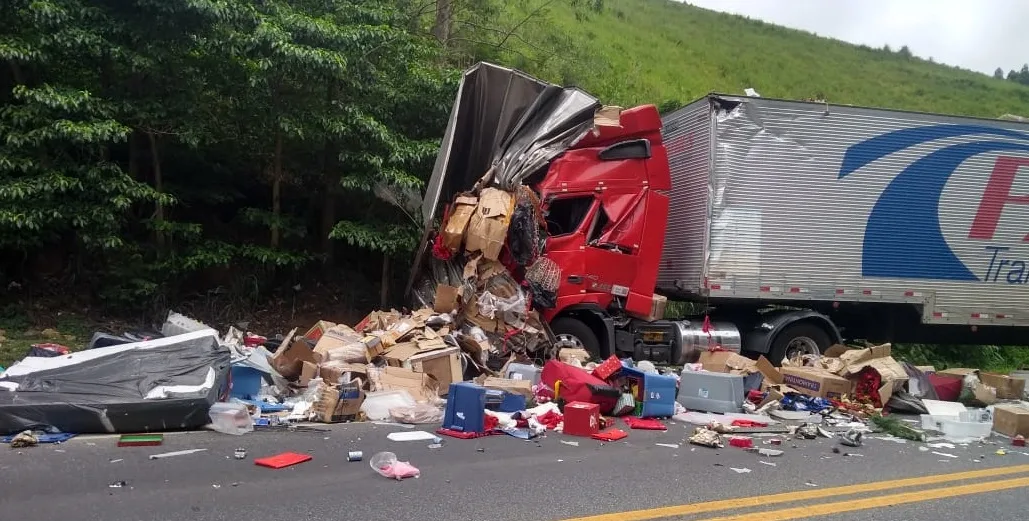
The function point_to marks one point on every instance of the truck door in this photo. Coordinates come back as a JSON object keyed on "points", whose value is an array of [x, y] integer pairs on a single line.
{"points": [[613, 243]]}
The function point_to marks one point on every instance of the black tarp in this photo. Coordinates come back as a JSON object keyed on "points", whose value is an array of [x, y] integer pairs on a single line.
{"points": [[164, 384]]}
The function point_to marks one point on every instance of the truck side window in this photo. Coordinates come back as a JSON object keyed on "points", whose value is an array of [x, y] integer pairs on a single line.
{"points": [[599, 226], [566, 214]]}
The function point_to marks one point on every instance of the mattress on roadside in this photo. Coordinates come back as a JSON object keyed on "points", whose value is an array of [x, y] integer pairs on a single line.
{"points": [[155, 385]]}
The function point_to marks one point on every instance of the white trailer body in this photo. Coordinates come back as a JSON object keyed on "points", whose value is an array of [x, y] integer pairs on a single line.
{"points": [[779, 201]]}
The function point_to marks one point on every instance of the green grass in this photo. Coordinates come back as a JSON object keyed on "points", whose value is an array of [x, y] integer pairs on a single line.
{"points": [[18, 332], [657, 51]]}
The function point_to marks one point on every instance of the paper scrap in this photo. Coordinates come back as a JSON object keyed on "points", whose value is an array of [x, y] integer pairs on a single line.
{"points": [[572, 443], [769, 463], [176, 453], [944, 454], [669, 445], [740, 471]]}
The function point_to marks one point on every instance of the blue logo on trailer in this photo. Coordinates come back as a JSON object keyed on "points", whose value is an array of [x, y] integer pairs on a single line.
{"points": [[903, 238]]}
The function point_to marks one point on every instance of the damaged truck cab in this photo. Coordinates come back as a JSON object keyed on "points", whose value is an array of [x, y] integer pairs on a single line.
{"points": [[606, 205]]}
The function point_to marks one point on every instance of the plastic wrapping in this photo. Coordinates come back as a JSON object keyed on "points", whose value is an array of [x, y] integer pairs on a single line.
{"points": [[387, 465], [417, 414]]}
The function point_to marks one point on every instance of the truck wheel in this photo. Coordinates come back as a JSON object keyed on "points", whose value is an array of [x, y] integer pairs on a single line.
{"points": [[798, 339], [576, 333]]}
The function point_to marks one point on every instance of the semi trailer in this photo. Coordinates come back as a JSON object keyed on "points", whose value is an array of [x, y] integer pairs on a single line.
{"points": [[788, 226]]}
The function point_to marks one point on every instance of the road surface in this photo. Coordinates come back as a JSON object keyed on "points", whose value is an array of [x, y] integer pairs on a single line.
{"points": [[501, 478]]}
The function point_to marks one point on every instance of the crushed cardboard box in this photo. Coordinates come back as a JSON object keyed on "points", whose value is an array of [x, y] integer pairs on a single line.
{"points": [[457, 224], [1008, 388], [487, 228], [727, 362]]}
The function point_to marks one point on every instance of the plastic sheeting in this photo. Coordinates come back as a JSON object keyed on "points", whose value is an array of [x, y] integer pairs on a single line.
{"points": [[163, 384]]}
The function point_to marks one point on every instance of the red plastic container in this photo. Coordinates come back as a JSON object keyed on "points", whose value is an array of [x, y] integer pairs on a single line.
{"points": [[582, 419]]}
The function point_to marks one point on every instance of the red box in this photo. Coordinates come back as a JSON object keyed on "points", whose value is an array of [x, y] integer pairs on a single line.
{"points": [[582, 419], [608, 368]]}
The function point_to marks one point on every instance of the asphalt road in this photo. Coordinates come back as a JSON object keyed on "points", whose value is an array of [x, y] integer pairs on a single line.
{"points": [[501, 478]]}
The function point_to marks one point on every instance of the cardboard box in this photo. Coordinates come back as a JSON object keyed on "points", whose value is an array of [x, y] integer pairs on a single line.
{"points": [[308, 372], [855, 357], [959, 372], [1008, 388], [727, 362], [444, 365], [815, 382], [890, 371], [1011, 420], [421, 386], [658, 304], [398, 332], [315, 333], [340, 339], [461, 213], [378, 321], [336, 372], [771, 374], [338, 403], [447, 300], [288, 359], [487, 228], [582, 419], [510, 385]]}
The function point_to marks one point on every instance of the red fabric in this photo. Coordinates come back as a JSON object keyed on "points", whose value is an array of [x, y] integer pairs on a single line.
{"points": [[748, 423], [550, 419], [647, 424], [575, 385], [948, 388], [490, 422], [439, 250], [610, 435]]}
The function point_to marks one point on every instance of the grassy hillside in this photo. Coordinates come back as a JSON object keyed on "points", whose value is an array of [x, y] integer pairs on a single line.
{"points": [[653, 51]]}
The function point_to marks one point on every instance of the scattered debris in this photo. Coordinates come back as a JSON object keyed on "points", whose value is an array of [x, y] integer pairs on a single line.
{"points": [[240, 453], [572, 443], [175, 453], [769, 463], [944, 454], [118, 484], [387, 465], [24, 439], [740, 471], [669, 445]]}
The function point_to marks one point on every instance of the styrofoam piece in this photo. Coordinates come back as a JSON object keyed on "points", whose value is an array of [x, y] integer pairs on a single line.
{"points": [[376, 405], [704, 418], [942, 408], [412, 436]]}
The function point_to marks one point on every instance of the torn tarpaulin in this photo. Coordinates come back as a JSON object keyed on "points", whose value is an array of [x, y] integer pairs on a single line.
{"points": [[167, 383]]}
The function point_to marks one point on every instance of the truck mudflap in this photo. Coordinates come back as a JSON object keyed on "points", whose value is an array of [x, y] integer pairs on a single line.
{"points": [[505, 123]]}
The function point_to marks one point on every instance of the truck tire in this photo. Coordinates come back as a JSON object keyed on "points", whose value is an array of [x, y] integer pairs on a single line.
{"points": [[804, 337], [577, 332]]}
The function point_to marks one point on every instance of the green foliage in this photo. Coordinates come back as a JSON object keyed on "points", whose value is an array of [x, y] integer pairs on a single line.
{"points": [[990, 358], [166, 147], [648, 51]]}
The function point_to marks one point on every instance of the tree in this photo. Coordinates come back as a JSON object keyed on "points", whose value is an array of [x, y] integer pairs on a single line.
{"points": [[999, 73], [905, 53]]}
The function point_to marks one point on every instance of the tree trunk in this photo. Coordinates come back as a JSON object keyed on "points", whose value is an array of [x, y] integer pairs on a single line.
{"points": [[155, 162], [441, 28], [384, 290], [276, 190], [331, 181], [134, 155]]}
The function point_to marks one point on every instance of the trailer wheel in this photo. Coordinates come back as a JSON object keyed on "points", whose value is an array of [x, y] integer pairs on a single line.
{"points": [[576, 333], [799, 339]]}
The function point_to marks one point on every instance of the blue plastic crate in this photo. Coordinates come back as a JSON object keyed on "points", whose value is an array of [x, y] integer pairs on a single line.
{"points": [[657, 398], [246, 382], [466, 408]]}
